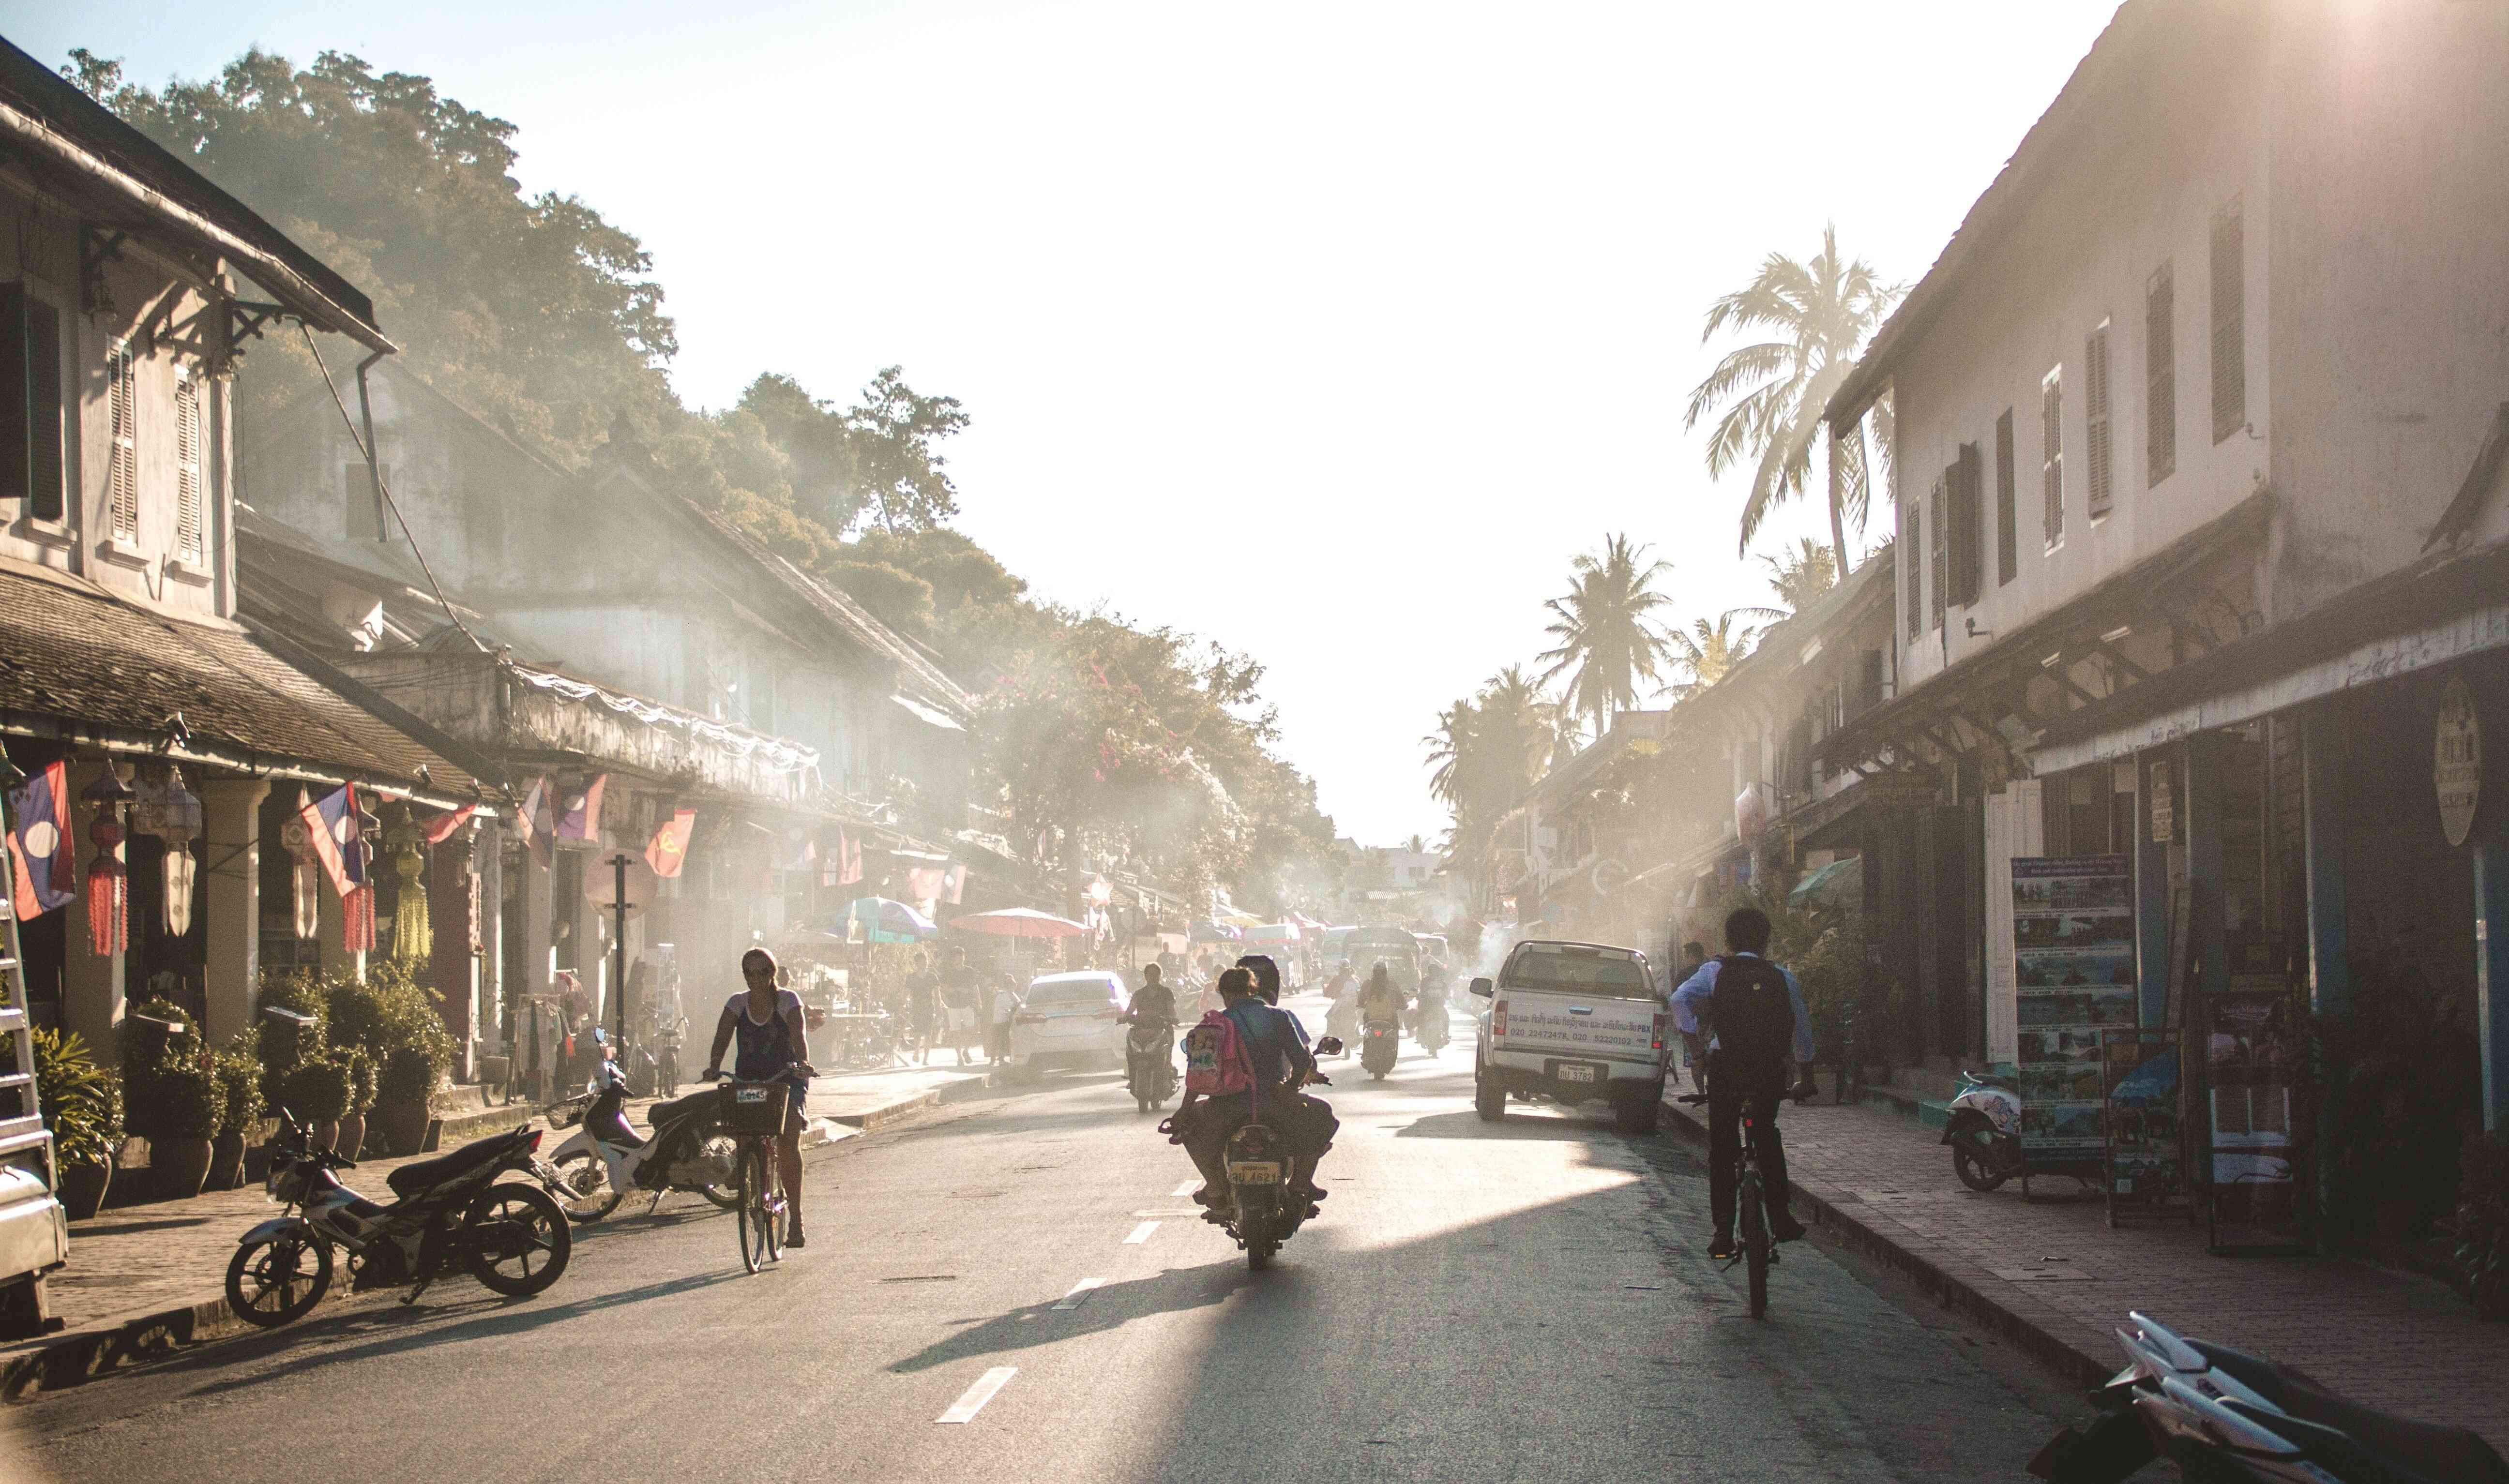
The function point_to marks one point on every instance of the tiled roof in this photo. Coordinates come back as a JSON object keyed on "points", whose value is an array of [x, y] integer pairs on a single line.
{"points": [[71, 653]]}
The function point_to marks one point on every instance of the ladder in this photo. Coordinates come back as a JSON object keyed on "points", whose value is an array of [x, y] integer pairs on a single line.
{"points": [[34, 1235]]}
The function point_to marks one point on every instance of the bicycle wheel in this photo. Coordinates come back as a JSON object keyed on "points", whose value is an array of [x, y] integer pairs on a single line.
{"points": [[1755, 1241], [772, 1228], [753, 1207]]}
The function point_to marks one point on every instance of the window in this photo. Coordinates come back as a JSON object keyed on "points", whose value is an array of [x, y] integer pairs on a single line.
{"points": [[30, 404], [121, 472], [2051, 454], [2230, 324], [2159, 377], [2007, 520], [1911, 566], [1969, 526], [191, 484], [358, 496], [2095, 417], [1938, 516]]}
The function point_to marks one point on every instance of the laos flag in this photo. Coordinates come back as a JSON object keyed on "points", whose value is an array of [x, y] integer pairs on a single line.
{"points": [[42, 873], [332, 824]]}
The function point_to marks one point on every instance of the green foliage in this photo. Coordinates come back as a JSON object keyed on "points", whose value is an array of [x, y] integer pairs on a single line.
{"points": [[363, 1070], [1488, 750], [2393, 1084], [409, 1075], [145, 1054], [2481, 1224], [316, 1091], [1824, 946], [899, 599], [389, 1015], [1607, 631], [81, 1101], [238, 1072], [281, 1045], [188, 1099]]}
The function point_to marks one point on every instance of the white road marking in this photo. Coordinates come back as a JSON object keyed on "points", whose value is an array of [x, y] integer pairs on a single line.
{"points": [[1187, 1189], [965, 1408], [1080, 1294], [1141, 1233]]}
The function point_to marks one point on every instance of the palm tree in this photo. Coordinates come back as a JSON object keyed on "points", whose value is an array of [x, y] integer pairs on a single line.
{"points": [[1486, 751], [1800, 574], [1606, 632], [1821, 313], [1707, 651]]}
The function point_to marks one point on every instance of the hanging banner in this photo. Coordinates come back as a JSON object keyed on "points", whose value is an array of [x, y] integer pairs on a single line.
{"points": [[2072, 933]]}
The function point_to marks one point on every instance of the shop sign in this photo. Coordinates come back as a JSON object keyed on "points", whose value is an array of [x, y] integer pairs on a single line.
{"points": [[2164, 806], [2073, 930], [2457, 766], [1902, 790]]}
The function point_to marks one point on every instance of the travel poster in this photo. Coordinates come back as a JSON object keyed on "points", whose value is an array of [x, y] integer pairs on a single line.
{"points": [[2073, 935]]}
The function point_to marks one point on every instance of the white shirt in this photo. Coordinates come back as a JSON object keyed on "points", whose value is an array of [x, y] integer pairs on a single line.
{"points": [[1006, 1004]]}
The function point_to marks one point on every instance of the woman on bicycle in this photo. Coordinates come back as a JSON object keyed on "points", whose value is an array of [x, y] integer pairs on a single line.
{"points": [[774, 1042]]}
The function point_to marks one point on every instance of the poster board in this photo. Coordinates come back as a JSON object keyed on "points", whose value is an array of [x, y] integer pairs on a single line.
{"points": [[2073, 930], [2145, 1139]]}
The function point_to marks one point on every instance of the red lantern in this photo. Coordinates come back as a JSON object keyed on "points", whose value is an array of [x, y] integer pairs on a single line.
{"points": [[108, 880]]}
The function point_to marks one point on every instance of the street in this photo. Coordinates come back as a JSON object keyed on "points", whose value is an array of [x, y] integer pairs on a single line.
{"points": [[1514, 1302]]}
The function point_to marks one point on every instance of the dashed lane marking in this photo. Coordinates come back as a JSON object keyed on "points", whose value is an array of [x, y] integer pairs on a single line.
{"points": [[1080, 1294], [973, 1400], [1141, 1233], [1187, 1189]]}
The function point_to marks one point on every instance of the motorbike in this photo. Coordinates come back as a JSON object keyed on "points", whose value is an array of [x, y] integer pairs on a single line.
{"points": [[1256, 1159], [606, 1158], [1433, 1032], [1378, 1047], [666, 1058], [1985, 1131], [1341, 1022], [2224, 1415], [450, 1210], [1150, 1063]]}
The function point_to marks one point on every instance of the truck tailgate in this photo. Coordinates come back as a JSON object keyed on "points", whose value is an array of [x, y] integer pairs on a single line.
{"points": [[1542, 1023]]}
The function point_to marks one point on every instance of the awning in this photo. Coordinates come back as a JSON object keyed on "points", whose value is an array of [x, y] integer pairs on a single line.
{"points": [[930, 715], [1839, 884]]}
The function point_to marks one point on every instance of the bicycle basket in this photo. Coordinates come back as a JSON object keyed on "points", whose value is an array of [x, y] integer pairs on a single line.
{"points": [[567, 1114], [754, 1107]]}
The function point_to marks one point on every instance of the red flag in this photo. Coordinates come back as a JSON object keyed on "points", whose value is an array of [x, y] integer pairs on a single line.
{"points": [[848, 859], [44, 874], [669, 849], [440, 829]]}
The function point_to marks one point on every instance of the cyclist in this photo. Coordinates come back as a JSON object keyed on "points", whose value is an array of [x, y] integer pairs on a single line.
{"points": [[1752, 1013], [774, 1042]]}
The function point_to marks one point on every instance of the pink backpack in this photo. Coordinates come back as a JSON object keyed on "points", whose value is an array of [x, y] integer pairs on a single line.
{"points": [[1216, 1061]]}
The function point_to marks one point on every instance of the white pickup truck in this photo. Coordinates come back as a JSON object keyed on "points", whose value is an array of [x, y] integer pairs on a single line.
{"points": [[1574, 1023]]}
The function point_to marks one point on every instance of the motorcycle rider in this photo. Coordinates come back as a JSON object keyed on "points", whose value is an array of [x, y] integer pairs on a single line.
{"points": [[1342, 1019], [1752, 1013], [774, 1041], [1381, 1000], [1435, 980], [1276, 1044], [1153, 1005]]}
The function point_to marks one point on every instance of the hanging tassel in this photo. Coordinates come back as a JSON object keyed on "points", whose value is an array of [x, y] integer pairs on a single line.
{"points": [[357, 930], [108, 888], [413, 937], [307, 875]]}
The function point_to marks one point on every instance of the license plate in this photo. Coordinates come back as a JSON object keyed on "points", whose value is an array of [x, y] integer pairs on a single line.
{"points": [[749, 1094], [1576, 1074], [1253, 1172]]}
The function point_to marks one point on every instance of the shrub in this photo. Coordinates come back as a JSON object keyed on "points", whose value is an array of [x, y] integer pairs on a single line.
{"points": [[2395, 1082], [144, 1052], [81, 1101], [191, 1102], [409, 1076], [281, 1045], [316, 1091], [362, 1077], [239, 1074], [2481, 1225]]}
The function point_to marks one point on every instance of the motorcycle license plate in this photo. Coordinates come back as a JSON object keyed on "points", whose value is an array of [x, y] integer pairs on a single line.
{"points": [[1576, 1074], [749, 1094], [1254, 1173]]}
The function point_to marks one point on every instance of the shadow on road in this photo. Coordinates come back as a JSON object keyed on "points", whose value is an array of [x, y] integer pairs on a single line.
{"points": [[1468, 1123], [1107, 1308]]}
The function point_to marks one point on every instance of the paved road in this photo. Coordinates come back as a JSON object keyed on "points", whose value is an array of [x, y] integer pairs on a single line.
{"points": [[1479, 1303]]}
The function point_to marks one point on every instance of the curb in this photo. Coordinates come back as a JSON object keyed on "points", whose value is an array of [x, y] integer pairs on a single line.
{"points": [[2072, 1349]]}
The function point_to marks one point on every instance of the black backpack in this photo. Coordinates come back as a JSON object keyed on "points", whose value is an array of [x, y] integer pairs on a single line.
{"points": [[1752, 1014]]}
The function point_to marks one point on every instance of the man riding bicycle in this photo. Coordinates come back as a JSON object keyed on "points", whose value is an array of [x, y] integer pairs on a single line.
{"points": [[774, 1042], [1752, 1013]]}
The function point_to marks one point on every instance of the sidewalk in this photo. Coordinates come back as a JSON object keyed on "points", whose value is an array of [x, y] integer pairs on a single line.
{"points": [[2058, 1279]]}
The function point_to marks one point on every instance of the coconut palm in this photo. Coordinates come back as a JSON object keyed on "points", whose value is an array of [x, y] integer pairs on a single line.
{"points": [[1708, 649], [1607, 633], [1774, 392], [1800, 574], [1487, 750]]}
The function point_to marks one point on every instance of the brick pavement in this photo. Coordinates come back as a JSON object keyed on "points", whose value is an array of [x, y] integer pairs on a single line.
{"points": [[2397, 1341]]}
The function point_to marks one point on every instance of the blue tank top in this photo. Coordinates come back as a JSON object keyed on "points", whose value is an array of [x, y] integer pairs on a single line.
{"points": [[761, 1050]]}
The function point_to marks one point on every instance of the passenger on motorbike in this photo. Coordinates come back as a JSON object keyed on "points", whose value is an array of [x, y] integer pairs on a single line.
{"points": [[1435, 977], [1381, 999], [774, 1042], [1282, 1063]]}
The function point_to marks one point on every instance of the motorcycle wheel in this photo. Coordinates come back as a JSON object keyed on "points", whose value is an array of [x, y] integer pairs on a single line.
{"points": [[1972, 1171], [515, 1239], [589, 1195], [726, 1197], [277, 1266]]}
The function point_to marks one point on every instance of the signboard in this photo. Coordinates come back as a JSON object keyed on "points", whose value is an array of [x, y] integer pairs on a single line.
{"points": [[2073, 934], [2456, 764], [1902, 790], [2164, 806], [2146, 1168]]}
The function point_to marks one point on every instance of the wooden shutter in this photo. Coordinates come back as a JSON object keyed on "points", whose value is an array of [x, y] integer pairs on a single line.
{"points": [[191, 487], [1968, 529], [122, 470], [2095, 418], [1938, 516], [2007, 520], [2159, 377], [1912, 565], [2051, 453], [16, 415], [2230, 324]]}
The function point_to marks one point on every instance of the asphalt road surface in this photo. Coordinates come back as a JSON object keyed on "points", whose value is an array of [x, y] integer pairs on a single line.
{"points": [[1514, 1302]]}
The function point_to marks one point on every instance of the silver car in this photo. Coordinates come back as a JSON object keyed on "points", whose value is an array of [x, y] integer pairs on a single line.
{"points": [[1069, 1019]]}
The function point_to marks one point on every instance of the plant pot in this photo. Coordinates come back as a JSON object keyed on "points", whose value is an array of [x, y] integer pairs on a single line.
{"points": [[182, 1165], [226, 1162], [402, 1125], [352, 1135], [256, 1162], [326, 1134], [83, 1188]]}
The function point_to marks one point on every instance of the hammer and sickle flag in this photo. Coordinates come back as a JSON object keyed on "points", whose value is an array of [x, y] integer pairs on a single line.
{"points": [[669, 850]]}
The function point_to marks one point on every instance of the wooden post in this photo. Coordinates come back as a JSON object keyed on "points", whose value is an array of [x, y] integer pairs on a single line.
{"points": [[2160, 794], [2329, 977]]}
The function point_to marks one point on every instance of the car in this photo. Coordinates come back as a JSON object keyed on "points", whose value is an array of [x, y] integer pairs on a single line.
{"points": [[1069, 1020], [1571, 1023]]}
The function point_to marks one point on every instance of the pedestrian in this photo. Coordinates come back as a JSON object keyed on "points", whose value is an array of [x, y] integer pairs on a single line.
{"points": [[1006, 1005], [921, 1017], [958, 1002]]}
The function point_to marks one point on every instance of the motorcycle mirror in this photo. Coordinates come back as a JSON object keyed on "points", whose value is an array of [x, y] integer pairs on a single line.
{"points": [[1329, 1046], [1481, 988]]}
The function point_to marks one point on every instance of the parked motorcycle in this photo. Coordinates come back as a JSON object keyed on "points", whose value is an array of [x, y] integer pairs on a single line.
{"points": [[1378, 1047], [1150, 1063], [1985, 1131], [2223, 1416], [1257, 1162], [451, 1209], [606, 1158]]}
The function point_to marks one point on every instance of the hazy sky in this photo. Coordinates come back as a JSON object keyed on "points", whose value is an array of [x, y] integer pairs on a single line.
{"points": [[1331, 331]]}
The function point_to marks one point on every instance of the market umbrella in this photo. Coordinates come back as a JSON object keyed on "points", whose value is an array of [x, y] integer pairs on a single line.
{"points": [[1839, 884], [1020, 922], [886, 921], [1207, 931], [1306, 924]]}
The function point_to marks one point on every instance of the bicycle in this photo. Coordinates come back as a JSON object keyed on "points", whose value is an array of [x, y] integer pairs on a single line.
{"points": [[1759, 1244], [754, 1115]]}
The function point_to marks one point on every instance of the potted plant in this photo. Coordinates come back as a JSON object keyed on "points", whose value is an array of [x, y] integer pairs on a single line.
{"points": [[82, 1105], [239, 1074], [317, 1093], [405, 1093], [190, 1108], [2481, 1224], [361, 1096]]}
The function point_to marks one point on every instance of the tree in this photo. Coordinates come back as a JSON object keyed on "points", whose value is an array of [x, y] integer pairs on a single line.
{"points": [[1709, 650], [1486, 751], [891, 435], [1821, 313], [1606, 632], [1800, 574]]}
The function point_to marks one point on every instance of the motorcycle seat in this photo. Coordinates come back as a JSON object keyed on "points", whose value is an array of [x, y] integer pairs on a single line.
{"points": [[681, 1107], [410, 1180], [2430, 1448]]}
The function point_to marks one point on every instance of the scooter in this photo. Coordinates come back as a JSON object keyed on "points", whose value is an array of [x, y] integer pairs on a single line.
{"points": [[2220, 1415], [452, 1209], [1264, 1215], [1433, 1032], [1985, 1131], [1341, 1022], [1150, 1063], [1378, 1047], [606, 1158]]}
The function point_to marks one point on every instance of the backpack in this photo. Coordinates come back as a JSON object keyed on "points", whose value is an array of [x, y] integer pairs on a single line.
{"points": [[1754, 1016], [1216, 1059]]}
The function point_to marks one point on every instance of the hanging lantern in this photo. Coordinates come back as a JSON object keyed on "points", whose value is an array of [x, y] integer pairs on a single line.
{"points": [[413, 936], [172, 813], [307, 875], [358, 932], [109, 881]]}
